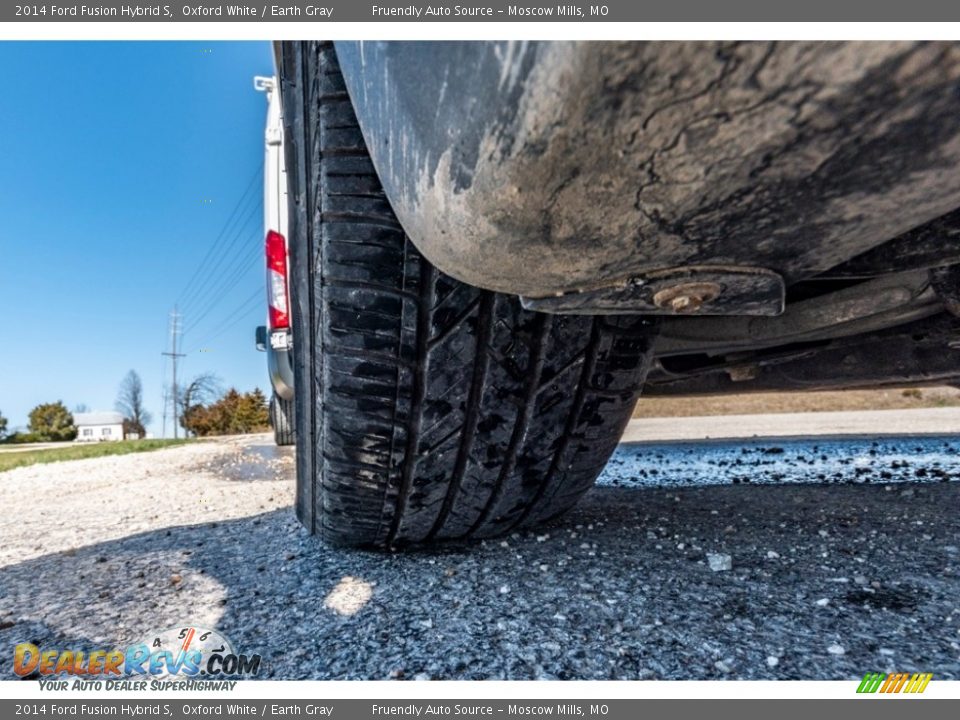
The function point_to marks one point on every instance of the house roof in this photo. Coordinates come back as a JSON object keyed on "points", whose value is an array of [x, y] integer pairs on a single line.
{"points": [[97, 418]]}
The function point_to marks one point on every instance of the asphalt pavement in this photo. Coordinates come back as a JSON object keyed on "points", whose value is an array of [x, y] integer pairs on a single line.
{"points": [[843, 559]]}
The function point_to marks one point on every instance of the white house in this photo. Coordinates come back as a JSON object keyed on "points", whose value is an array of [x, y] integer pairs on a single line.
{"points": [[98, 426]]}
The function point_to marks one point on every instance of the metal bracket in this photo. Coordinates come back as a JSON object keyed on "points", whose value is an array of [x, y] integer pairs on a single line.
{"points": [[274, 135], [693, 290], [946, 283], [264, 84]]}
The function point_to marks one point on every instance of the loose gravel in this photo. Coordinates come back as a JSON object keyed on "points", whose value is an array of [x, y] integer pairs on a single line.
{"points": [[645, 579], [777, 462]]}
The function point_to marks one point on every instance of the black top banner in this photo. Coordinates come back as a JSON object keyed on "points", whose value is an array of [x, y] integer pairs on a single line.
{"points": [[484, 11]]}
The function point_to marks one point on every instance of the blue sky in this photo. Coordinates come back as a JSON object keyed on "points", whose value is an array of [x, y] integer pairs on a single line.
{"points": [[121, 164]]}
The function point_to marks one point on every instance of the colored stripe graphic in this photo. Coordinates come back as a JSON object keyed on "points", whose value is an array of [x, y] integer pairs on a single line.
{"points": [[901, 679], [894, 683], [922, 681], [870, 683]]}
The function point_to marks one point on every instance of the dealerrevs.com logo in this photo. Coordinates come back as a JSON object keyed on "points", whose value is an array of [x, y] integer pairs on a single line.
{"points": [[179, 658]]}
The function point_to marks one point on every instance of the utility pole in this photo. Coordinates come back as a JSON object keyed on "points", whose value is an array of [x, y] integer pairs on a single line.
{"points": [[174, 355]]}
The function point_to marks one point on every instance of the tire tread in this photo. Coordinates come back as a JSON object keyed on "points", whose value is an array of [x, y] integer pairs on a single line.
{"points": [[439, 410]]}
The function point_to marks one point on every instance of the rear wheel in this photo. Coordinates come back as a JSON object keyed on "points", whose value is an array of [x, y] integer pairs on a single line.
{"points": [[427, 409], [281, 420]]}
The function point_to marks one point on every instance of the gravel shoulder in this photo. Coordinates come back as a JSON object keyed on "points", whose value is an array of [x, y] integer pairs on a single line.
{"points": [[62, 506], [643, 580]]}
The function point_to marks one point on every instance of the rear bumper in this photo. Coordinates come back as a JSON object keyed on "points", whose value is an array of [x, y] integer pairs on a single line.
{"points": [[280, 368], [279, 362]]}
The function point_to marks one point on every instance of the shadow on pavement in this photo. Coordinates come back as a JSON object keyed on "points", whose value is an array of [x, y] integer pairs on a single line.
{"points": [[825, 583]]}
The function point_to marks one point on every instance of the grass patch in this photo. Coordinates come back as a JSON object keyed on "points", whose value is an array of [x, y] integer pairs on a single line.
{"points": [[787, 402], [14, 459]]}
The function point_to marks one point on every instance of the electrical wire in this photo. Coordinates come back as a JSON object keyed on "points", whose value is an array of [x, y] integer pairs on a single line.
{"points": [[243, 202], [239, 313], [251, 222], [220, 290]]}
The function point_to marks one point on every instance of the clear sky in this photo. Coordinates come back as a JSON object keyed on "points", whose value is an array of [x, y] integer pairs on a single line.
{"points": [[120, 165]]}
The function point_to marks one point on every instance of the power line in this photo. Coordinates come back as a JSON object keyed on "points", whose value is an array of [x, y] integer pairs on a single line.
{"points": [[223, 231], [251, 219], [232, 277], [229, 286], [223, 267], [238, 314]]}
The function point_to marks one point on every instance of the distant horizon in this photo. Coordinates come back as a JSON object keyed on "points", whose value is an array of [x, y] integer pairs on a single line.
{"points": [[132, 161], [74, 411]]}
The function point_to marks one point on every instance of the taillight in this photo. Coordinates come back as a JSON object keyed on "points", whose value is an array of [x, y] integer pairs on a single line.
{"points": [[277, 295]]}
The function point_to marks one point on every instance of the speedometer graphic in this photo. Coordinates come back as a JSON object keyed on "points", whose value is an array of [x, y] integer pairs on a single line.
{"points": [[185, 651]]}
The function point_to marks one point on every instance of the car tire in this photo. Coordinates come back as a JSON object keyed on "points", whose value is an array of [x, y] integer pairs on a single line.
{"points": [[282, 421], [427, 409]]}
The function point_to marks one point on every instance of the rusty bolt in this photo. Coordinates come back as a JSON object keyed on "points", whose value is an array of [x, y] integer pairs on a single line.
{"points": [[686, 298]]}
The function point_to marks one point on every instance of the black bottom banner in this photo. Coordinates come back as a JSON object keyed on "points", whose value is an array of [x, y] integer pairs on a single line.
{"points": [[872, 707]]}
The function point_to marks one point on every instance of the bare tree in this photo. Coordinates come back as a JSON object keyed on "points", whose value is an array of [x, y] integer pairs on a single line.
{"points": [[204, 388], [130, 404]]}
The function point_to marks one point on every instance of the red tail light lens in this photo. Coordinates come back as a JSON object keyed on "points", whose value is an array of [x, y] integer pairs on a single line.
{"points": [[278, 295]]}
